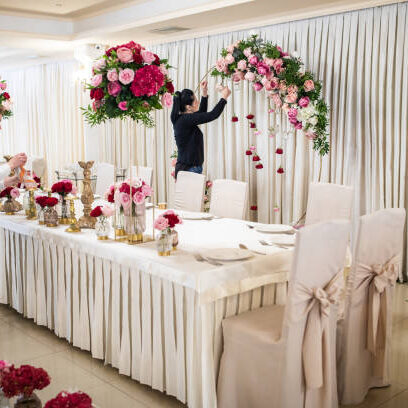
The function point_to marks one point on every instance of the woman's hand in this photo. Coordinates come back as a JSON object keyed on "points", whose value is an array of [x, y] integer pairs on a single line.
{"points": [[204, 88], [226, 92], [17, 161]]}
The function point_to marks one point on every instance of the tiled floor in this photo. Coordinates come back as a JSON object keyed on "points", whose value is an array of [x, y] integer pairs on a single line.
{"points": [[21, 341]]}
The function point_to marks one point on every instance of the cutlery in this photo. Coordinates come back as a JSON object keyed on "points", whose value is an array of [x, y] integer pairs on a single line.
{"points": [[200, 258], [242, 246], [262, 242], [250, 226]]}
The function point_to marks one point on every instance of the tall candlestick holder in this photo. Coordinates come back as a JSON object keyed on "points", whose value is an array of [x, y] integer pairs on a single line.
{"points": [[87, 197], [74, 227]]}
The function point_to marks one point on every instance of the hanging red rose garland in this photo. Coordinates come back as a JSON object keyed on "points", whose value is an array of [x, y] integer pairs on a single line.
{"points": [[128, 81], [5, 102]]}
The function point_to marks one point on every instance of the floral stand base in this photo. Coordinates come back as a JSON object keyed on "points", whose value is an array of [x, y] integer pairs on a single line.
{"points": [[28, 402]]}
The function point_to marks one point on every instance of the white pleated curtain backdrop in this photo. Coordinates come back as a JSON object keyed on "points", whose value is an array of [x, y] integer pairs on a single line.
{"points": [[360, 56]]}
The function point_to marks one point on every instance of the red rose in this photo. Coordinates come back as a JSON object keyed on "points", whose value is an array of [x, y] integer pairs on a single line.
{"points": [[280, 170], [96, 212], [250, 116], [6, 192], [256, 158], [41, 201], [234, 119], [124, 188], [98, 94], [156, 60], [170, 87], [252, 125], [111, 198], [70, 400], [6, 95], [173, 219], [279, 150], [254, 207], [259, 166], [51, 201], [248, 153], [138, 59]]}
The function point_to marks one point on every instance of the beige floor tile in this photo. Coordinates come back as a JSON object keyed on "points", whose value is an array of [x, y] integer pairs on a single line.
{"points": [[5, 311], [399, 401], [107, 396], [400, 307]]}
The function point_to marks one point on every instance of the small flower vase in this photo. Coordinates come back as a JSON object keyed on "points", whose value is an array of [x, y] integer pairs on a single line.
{"points": [[164, 243], [41, 216], [51, 217], [119, 226], [174, 239], [26, 202], [31, 401], [135, 225], [4, 401], [102, 228], [9, 206], [64, 218]]}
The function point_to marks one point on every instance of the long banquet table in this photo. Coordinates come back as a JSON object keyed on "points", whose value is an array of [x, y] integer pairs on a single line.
{"points": [[156, 319]]}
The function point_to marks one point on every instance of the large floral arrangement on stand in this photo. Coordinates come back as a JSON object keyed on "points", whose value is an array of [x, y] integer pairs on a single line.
{"points": [[289, 87], [128, 81], [5, 102]]}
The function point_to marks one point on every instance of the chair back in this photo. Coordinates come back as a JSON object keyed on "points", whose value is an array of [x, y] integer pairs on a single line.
{"points": [[327, 202], [189, 193], [145, 173], [365, 342], [105, 178], [229, 198]]}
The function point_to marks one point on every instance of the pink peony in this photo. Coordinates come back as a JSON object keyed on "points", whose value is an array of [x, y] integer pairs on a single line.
{"points": [[96, 80], [309, 85], [304, 102], [107, 211], [292, 113], [148, 81], [221, 65], [242, 65], [269, 61], [229, 59], [250, 76], [277, 100], [161, 223], [123, 106], [292, 89], [274, 83], [124, 54], [253, 60], [257, 86], [278, 65], [114, 88], [267, 85], [112, 75], [262, 68], [99, 64], [126, 76], [147, 190], [167, 100], [247, 52], [163, 69], [138, 197], [14, 193], [291, 98], [148, 57], [238, 76]]}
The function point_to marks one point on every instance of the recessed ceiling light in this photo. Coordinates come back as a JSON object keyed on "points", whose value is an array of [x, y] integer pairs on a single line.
{"points": [[169, 29]]}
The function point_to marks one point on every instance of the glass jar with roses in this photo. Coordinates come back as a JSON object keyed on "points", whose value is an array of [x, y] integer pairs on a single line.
{"points": [[22, 382], [102, 225], [10, 206], [167, 238], [70, 399], [41, 203], [63, 188], [112, 196], [132, 201], [50, 214]]}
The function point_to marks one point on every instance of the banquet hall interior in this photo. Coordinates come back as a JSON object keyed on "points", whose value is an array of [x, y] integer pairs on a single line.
{"points": [[203, 203]]}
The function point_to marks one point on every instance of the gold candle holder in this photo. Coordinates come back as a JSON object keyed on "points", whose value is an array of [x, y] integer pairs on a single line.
{"points": [[87, 197], [74, 227], [32, 210], [162, 206]]}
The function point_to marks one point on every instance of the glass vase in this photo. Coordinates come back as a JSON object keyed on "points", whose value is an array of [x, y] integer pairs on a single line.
{"points": [[31, 401], [164, 243], [135, 225], [4, 401], [174, 239], [9, 206], [102, 228], [26, 202], [64, 218], [119, 223], [51, 217], [41, 216]]}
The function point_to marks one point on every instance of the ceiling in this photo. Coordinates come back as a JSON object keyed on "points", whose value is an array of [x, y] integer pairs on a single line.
{"points": [[41, 31]]}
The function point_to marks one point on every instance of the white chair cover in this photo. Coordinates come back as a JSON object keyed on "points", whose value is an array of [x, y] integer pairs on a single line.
{"points": [[327, 202], [364, 360], [229, 198], [189, 194], [145, 173], [105, 178], [285, 357]]}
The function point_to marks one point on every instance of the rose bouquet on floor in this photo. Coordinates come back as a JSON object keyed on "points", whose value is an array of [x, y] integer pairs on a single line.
{"points": [[128, 81], [5, 102], [70, 400]]}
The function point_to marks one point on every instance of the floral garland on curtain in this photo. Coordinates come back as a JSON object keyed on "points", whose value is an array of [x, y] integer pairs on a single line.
{"points": [[128, 81], [5, 102]]}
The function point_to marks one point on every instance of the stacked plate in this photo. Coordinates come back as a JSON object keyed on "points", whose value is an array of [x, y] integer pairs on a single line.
{"points": [[226, 254]]}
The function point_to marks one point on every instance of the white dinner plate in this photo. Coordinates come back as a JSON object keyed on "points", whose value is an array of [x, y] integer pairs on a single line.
{"points": [[185, 215], [226, 254], [274, 228], [288, 240]]}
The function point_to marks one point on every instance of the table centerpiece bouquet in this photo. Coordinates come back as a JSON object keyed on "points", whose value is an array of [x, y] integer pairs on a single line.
{"points": [[41, 202], [63, 188], [10, 206], [168, 236], [70, 400], [102, 225], [50, 214]]}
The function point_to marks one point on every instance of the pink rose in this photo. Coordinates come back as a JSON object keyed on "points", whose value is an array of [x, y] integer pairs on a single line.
{"points": [[250, 76], [173, 174], [252, 148], [242, 65], [238, 76], [221, 65], [114, 88], [293, 121], [14, 193], [247, 52], [112, 75], [148, 57], [274, 83], [99, 64], [278, 65], [96, 80], [163, 69], [3, 86], [298, 126], [107, 211], [253, 60], [124, 200], [292, 113], [230, 48], [209, 184], [123, 106], [161, 223], [269, 61], [310, 135], [124, 54], [257, 86], [167, 100], [147, 190], [267, 85], [229, 59], [292, 89], [277, 100], [282, 86], [304, 102], [126, 76], [173, 162], [309, 85], [262, 68], [291, 98], [6, 104], [138, 197]]}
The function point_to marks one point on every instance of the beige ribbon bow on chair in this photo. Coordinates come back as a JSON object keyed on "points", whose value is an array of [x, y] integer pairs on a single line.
{"points": [[316, 303]]}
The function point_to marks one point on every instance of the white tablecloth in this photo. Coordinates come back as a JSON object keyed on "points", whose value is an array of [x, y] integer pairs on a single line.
{"points": [[157, 319]]}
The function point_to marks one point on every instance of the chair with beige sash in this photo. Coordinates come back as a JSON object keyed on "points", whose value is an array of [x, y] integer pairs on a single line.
{"points": [[364, 361], [189, 194], [285, 356]]}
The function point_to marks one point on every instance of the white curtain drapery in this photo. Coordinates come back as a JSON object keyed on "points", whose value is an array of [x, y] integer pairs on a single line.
{"points": [[360, 56]]}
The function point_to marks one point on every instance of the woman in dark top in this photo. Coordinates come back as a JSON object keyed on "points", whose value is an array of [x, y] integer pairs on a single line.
{"points": [[186, 116]]}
